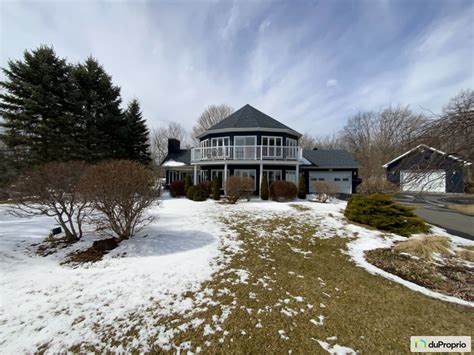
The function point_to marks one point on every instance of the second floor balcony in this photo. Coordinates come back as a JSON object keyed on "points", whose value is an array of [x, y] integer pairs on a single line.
{"points": [[247, 153]]}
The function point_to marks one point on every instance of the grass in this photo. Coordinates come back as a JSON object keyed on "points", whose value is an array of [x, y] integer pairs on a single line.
{"points": [[466, 209], [465, 254], [292, 273], [425, 247]]}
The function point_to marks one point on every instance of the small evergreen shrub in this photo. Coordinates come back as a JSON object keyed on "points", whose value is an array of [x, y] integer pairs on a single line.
{"points": [[381, 212], [302, 188], [205, 187], [191, 190], [264, 188], [216, 192], [199, 195], [177, 188], [187, 184], [281, 190]]}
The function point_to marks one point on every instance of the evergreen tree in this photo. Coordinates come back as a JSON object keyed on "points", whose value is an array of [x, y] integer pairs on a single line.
{"points": [[137, 141], [37, 108], [264, 188], [103, 127], [302, 188], [187, 183], [216, 192]]}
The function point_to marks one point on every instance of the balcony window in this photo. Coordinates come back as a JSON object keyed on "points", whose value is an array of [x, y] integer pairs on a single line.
{"points": [[245, 147], [291, 148], [220, 147], [272, 147]]}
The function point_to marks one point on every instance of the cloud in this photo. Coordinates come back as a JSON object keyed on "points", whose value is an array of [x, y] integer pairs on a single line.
{"points": [[283, 58]]}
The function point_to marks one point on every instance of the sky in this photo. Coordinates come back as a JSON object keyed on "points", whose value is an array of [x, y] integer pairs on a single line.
{"points": [[308, 64]]}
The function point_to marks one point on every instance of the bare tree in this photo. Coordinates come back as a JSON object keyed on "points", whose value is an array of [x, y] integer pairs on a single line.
{"points": [[159, 140], [307, 141], [120, 190], [330, 141], [212, 115], [52, 190]]}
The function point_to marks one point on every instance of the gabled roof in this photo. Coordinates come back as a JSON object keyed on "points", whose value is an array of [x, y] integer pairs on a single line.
{"points": [[249, 117], [184, 156], [323, 158], [450, 156]]}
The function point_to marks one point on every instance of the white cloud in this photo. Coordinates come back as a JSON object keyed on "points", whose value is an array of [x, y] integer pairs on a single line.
{"points": [[331, 83]]}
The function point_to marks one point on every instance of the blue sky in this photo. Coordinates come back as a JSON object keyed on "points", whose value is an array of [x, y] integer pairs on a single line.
{"points": [[309, 64]]}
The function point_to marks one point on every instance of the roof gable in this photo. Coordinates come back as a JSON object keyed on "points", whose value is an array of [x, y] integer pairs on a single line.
{"points": [[249, 117], [184, 156], [336, 158], [420, 146]]}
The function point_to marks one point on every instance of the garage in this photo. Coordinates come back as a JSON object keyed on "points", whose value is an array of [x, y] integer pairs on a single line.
{"points": [[429, 181], [341, 179]]}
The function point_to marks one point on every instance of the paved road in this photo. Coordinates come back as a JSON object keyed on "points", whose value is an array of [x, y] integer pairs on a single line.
{"points": [[433, 208]]}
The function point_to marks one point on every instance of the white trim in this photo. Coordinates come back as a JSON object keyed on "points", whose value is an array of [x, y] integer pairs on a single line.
{"points": [[247, 162], [427, 147], [250, 129]]}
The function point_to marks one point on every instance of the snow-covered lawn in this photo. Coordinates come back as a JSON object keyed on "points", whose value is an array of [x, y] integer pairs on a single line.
{"points": [[203, 275]]}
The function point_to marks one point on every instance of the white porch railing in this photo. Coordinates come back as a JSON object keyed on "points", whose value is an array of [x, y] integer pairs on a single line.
{"points": [[246, 152]]}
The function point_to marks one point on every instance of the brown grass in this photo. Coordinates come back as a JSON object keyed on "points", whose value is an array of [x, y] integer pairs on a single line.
{"points": [[466, 254], [425, 247], [466, 209]]}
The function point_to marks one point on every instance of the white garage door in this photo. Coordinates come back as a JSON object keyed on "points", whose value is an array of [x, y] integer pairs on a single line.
{"points": [[432, 181], [341, 179]]}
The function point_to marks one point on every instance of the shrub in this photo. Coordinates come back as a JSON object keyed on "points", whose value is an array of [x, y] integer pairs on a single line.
{"points": [[377, 184], [324, 191], [205, 187], [177, 188], [381, 212], [281, 190], [302, 188], [425, 247], [190, 193], [120, 190], [53, 190], [264, 188], [216, 192], [199, 195], [187, 184], [238, 187]]}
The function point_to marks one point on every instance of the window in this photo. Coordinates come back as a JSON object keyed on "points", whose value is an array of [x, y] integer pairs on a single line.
{"points": [[337, 179], [272, 175], [320, 179], [247, 172], [220, 176], [291, 176], [205, 152], [345, 179], [220, 147], [245, 147], [271, 147], [291, 148], [203, 175]]}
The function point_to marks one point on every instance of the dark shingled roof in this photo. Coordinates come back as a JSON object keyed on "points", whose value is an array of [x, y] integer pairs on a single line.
{"points": [[184, 156], [249, 117], [330, 158]]}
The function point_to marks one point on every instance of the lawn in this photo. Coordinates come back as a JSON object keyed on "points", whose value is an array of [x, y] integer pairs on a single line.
{"points": [[466, 209], [274, 277]]}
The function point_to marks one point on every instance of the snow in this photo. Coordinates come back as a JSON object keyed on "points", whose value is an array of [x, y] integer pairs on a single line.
{"points": [[335, 349], [172, 163], [44, 302]]}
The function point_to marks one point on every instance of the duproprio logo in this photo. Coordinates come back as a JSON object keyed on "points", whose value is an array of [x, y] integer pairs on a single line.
{"points": [[446, 344], [420, 343]]}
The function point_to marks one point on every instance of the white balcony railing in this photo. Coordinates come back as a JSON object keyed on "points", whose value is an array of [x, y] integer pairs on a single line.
{"points": [[246, 152]]}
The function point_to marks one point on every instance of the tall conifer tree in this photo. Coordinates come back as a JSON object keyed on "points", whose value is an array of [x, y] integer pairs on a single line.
{"points": [[137, 143]]}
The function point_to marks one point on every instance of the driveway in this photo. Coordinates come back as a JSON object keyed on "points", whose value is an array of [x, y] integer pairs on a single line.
{"points": [[434, 209]]}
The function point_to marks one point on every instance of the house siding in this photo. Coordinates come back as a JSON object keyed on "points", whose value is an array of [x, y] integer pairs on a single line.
{"points": [[422, 160]]}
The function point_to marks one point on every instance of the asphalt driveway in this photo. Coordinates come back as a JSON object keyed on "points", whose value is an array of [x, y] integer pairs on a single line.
{"points": [[434, 209]]}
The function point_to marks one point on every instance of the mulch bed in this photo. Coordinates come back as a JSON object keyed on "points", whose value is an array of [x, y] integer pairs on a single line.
{"points": [[93, 254], [453, 278]]}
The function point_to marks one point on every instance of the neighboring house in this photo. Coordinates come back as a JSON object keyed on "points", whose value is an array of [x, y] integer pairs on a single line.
{"points": [[426, 169], [251, 143]]}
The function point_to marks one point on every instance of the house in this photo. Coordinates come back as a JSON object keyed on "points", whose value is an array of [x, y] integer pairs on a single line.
{"points": [[251, 143], [426, 169]]}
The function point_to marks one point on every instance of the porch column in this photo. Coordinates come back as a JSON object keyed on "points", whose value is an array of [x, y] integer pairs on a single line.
{"points": [[260, 180], [225, 178], [195, 175], [297, 175]]}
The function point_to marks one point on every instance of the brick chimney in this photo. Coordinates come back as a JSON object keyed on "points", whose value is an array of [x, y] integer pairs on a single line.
{"points": [[173, 146]]}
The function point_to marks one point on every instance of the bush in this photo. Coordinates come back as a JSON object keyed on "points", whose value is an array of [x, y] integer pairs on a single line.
{"points": [[199, 195], [120, 190], [238, 187], [264, 188], [324, 191], [216, 192], [205, 187], [381, 212], [302, 188], [191, 190], [187, 184], [281, 190], [177, 188], [425, 247], [377, 185]]}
